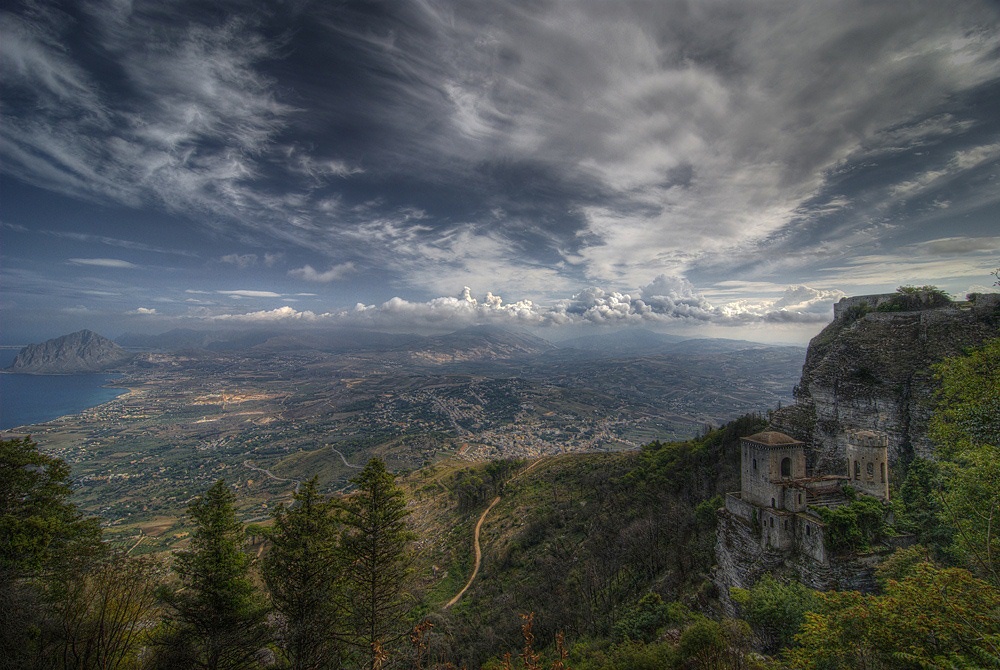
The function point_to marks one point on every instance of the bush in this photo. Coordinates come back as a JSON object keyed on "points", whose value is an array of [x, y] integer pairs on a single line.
{"points": [[909, 298], [775, 611], [643, 620], [855, 526]]}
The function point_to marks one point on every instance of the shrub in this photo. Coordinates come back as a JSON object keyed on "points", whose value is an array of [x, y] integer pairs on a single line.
{"points": [[855, 526]]}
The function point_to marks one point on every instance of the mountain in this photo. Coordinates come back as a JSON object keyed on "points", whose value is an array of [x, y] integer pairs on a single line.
{"points": [[181, 339], [630, 342], [476, 344], [336, 341], [713, 345], [641, 342], [83, 351]]}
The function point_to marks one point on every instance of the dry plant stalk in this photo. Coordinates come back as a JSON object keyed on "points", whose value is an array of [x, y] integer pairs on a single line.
{"points": [[418, 638]]}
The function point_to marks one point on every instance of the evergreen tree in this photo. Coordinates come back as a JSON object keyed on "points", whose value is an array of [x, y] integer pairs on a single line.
{"points": [[44, 541], [217, 617], [302, 572], [39, 527], [377, 562]]}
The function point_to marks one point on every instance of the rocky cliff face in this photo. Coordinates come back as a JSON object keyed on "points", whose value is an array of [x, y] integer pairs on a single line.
{"points": [[742, 559], [872, 370], [84, 351]]}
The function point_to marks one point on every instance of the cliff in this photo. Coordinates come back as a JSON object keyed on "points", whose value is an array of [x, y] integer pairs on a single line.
{"points": [[871, 369], [83, 351]]}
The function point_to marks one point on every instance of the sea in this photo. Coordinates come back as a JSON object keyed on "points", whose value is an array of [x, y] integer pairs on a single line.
{"points": [[30, 399]]}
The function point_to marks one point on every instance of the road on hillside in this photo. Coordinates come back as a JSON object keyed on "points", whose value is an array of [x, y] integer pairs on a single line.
{"points": [[475, 539]]}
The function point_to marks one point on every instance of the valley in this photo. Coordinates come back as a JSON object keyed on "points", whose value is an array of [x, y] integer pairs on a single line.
{"points": [[265, 418]]}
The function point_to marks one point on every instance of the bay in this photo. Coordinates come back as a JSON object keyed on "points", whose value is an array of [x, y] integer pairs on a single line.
{"points": [[30, 399]]}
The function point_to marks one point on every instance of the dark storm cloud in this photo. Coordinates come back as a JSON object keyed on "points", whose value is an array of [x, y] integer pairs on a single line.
{"points": [[529, 148]]}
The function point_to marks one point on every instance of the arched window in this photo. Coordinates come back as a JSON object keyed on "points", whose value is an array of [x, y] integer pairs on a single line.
{"points": [[800, 498], [786, 467], [772, 522], [772, 502], [808, 529], [871, 470], [881, 467], [755, 464], [857, 470]]}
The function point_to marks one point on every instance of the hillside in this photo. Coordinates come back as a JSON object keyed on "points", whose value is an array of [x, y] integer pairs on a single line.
{"points": [[83, 351], [578, 540], [612, 549]]}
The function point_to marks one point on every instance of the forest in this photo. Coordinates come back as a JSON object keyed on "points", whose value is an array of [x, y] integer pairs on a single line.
{"points": [[596, 561]]}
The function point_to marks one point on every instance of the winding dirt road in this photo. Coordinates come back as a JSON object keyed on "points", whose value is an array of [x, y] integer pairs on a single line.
{"points": [[475, 538], [479, 554]]}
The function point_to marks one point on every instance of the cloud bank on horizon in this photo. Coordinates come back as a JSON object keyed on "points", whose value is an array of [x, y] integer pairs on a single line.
{"points": [[719, 163], [663, 300]]}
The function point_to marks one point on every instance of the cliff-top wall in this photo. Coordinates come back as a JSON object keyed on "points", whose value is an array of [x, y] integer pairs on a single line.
{"points": [[872, 370]]}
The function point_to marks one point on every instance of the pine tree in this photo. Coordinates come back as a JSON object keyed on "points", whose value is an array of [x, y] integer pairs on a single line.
{"points": [[44, 543], [377, 562], [302, 572], [217, 617]]}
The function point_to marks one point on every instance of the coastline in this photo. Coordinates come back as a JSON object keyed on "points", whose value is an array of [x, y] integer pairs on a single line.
{"points": [[30, 400]]}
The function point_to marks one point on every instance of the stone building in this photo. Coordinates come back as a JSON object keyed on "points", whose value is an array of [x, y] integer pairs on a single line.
{"points": [[868, 463], [771, 523]]}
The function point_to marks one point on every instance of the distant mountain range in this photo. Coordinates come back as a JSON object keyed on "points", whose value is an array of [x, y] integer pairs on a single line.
{"points": [[83, 351], [86, 351], [641, 342], [480, 343]]}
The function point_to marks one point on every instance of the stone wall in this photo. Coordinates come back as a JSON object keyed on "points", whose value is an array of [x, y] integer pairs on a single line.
{"points": [[742, 558], [761, 471], [841, 308]]}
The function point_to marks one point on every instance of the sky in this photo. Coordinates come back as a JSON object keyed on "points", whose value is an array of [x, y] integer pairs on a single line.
{"points": [[727, 168]]}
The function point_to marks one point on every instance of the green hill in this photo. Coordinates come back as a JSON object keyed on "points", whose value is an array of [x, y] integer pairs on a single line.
{"points": [[578, 539]]}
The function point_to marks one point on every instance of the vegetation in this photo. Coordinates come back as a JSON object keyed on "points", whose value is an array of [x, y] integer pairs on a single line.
{"points": [[915, 297], [474, 488], [303, 573], [594, 561], [215, 618], [933, 618], [775, 611], [966, 430], [856, 526], [66, 599], [376, 563]]}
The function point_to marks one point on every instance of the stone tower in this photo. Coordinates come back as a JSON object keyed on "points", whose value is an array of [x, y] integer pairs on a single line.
{"points": [[868, 463], [770, 460]]}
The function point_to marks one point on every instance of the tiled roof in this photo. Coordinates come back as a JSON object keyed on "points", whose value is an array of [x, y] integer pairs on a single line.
{"points": [[772, 438]]}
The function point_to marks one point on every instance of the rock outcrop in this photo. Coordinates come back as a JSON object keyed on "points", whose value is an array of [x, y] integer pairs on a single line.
{"points": [[83, 351], [869, 370], [873, 370]]}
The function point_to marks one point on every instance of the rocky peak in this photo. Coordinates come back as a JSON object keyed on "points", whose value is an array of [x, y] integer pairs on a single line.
{"points": [[83, 351], [872, 370]]}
